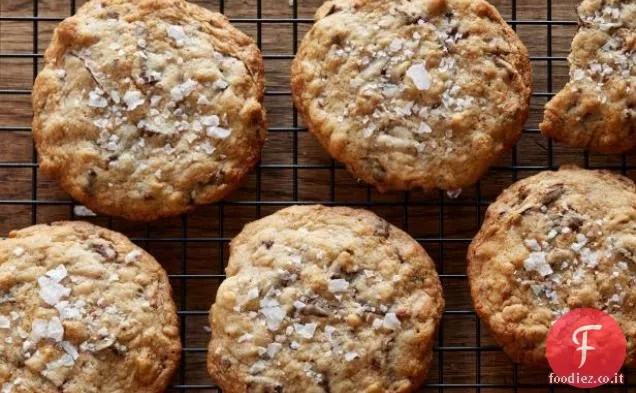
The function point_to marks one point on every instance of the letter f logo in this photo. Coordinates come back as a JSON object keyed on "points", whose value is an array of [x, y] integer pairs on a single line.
{"points": [[583, 346]]}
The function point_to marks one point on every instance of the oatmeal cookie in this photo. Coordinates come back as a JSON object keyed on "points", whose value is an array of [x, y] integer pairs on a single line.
{"points": [[322, 299], [146, 109], [552, 243], [413, 93], [83, 310], [597, 109]]}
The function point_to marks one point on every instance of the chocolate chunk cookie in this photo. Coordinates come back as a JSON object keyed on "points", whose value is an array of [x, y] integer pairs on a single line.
{"points": [[146, 109], [82, 309], [413, 93], [552, 243], [597, 109], [323, 300]]}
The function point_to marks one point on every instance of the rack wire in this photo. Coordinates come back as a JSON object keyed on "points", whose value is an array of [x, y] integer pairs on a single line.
{"points": [[193, 247]]}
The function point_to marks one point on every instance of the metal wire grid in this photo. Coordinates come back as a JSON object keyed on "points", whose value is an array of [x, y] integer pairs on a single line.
{"points": [[187, 281]]}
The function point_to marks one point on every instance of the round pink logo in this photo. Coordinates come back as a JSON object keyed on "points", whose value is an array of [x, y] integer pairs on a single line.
{"points": [[586, 348]]}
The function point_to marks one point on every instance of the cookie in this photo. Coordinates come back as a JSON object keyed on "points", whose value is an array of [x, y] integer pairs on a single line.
{"points": [[551, 243], [322, 299], [82, 309], [413, 94], [146, 109], [596, 110]]}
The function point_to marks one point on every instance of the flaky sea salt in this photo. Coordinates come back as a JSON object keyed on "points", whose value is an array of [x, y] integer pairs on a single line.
{"points": [[70, 349], [377, 323], [68, 311], [43, 329], [252, 294], [183, 90], [133, 99], [51, 291], [337, 286], [581, 241], [5, 323], [424, 128], [590, 258], [83, 211], [536, 261], [177, 34], [218, 132], [391, 321], [18, 251], [396, 45], [132, 256], [532, 244], [274, 314], [220, 84], [55, 330], [578, 275], [420, 76], [258, 366], [406, 109], [306, 331], [368, 130], [210, 121], [57, 274], [114, 95], [96, 99], [65, 361], [616, 298], [273, 349]]}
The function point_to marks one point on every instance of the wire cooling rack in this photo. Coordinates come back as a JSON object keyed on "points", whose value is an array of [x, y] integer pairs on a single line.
{"points": [[295, 170]]}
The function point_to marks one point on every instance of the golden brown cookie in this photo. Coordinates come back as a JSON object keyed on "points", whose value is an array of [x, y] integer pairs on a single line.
{"points": [[413, 93], [597, 109], [322, 299], [552, 243], [148, 108], [82, 309]]}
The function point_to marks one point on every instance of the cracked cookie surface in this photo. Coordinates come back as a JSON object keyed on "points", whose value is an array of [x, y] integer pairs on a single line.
{"points": [[147, 108], [413, 94], [320, 300], [83, 310], [596, 110], [551, 243]]}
